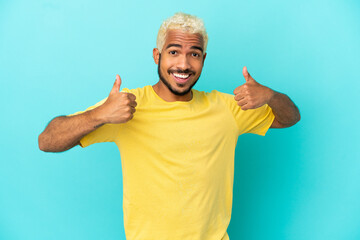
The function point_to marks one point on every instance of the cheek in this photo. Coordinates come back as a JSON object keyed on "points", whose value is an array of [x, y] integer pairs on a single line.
{"points": [[165, 64], [198, 66], [164, 68]]}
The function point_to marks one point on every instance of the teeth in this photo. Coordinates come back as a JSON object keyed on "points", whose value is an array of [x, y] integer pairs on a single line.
{"points": [[181, 75]]}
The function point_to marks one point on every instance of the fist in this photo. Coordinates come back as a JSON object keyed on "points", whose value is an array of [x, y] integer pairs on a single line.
{"points": [[251, 94], [119, 106]]}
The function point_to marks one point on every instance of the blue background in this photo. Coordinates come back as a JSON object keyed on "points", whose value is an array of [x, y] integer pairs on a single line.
{"points": [[59, 57]]}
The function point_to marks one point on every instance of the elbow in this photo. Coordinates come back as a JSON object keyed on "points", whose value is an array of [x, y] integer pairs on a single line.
{"points": [[42, 143], [46, 145], [295, 120], [298, 118], [291, 121]]}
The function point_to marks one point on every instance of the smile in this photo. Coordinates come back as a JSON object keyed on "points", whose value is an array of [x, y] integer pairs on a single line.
{"points": [[181, 78]]}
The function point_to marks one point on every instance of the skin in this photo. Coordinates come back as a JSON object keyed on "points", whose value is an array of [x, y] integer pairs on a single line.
{"points": [[182, 53], [63, 132], [252, 95]]}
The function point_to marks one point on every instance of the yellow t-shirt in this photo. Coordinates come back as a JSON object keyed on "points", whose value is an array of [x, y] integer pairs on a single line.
{"points": [[178, 163]]}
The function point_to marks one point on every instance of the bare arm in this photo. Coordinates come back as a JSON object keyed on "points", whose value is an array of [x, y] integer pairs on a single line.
{"points": [[285, 111], [252, 95], [63, 132]]}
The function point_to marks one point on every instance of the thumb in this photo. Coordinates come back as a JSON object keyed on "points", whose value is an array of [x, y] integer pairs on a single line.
{"points": [[246, 74], [117, 84]]}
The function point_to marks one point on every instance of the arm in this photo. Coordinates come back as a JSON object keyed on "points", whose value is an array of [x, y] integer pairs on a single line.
{"points": [[285, 111], [63, 132], [252, 95]]}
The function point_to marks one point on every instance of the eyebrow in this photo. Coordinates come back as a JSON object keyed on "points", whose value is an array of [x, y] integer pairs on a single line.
{"points": [[178, 45], [196, 47]]}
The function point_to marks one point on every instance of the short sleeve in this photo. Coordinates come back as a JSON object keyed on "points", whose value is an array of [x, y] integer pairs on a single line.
{"points": [[105, 133], [256, 121]]}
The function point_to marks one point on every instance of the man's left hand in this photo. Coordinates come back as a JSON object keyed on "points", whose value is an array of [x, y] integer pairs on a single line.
{"points": [[252, 94]]}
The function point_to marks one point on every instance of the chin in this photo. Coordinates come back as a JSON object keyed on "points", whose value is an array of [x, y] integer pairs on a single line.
{"points": [[180, 91]]}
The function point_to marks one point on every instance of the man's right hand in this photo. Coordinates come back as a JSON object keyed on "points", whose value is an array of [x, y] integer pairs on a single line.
{"points": [[119, 106], [65, 132]]}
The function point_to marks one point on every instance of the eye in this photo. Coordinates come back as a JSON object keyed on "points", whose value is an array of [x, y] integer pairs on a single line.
{"points": [[173, 52], [195, 55]]}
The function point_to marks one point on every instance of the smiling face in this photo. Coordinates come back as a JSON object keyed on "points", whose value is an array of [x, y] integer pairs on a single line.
{"points": [[179, 65]]}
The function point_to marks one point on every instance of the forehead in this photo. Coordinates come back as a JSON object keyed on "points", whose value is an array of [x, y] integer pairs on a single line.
{"points": [[175, 36]]}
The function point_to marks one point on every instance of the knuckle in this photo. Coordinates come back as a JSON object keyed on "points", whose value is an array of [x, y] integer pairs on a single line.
{"points": [[122, 97], [126, 101], [131, 96], [128, 108]]}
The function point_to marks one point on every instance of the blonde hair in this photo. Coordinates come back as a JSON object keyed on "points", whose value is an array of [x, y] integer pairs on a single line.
{"points": [[182, 21]]}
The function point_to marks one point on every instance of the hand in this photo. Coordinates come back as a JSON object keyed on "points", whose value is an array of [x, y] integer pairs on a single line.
{"points": [[119, 106], [251, 94]]}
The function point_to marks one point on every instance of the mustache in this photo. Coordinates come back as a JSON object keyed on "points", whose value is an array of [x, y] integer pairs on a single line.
{"points": [[186, 71]]}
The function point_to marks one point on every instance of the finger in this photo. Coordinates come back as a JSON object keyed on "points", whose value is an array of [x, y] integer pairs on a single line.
{"points": [[242, 102], [132, 110], [117, 84], [239, 96], [238, 90], [246, 74], [119, 80], [245, 107], [133, 104], [131, 96]]}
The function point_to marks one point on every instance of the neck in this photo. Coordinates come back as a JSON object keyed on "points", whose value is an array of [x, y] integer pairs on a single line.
{"points": [[163, 92]]}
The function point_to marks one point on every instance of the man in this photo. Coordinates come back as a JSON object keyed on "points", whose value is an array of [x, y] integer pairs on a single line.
{"points": [[177, 149]]}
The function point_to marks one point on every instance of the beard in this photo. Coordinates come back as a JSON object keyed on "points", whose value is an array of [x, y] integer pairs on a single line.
{"points": [[168, 85]]}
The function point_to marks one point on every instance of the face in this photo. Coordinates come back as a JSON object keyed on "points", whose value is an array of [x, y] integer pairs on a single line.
{"points": [[180, 62]]}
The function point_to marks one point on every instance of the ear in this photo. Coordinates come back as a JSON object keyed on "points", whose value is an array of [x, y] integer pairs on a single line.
{"points": [[156, 55], [204, 58]]}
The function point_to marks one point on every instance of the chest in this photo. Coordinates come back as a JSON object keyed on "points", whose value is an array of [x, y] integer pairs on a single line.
{"points": [[179, 129]]}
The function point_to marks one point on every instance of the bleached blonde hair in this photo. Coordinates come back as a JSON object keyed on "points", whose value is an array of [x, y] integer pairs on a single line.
{"points": [[182, 21]]}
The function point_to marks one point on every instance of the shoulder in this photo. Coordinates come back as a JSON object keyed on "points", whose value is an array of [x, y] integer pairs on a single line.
{"points": [[136, 90], [140, 92]]}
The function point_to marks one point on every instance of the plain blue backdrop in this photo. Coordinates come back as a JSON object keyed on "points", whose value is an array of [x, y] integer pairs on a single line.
{"points": [[59, 57]]}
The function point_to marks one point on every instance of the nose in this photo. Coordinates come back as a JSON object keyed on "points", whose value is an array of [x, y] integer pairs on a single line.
{"points": [[183, 63]]}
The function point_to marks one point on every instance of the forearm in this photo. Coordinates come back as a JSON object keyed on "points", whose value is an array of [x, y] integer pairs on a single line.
{"points": [[285, 111], [63, 133]]}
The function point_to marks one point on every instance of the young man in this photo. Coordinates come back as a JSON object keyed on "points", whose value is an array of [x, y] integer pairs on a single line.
{"points": [[177, 149]]}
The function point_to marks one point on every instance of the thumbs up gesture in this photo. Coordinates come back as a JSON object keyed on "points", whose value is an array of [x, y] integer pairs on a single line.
{"points": [[251, 94], [119, 107]]}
